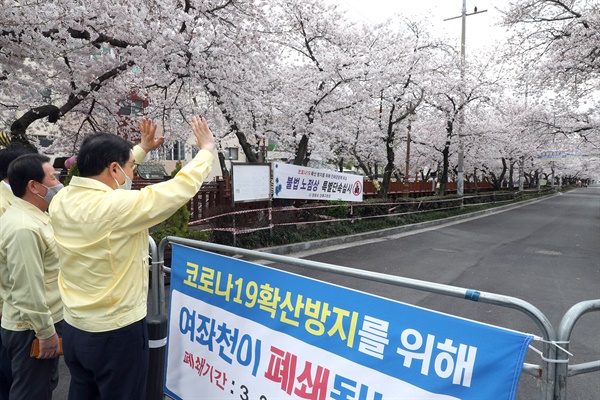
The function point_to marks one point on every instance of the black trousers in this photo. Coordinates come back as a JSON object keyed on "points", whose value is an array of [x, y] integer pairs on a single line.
{"points": [[5, 372], [32, 378], [109, 365]]}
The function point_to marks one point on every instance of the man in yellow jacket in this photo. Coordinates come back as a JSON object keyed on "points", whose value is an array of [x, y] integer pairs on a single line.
{"points": [[101, 233], [28, 279], [7, 155]]}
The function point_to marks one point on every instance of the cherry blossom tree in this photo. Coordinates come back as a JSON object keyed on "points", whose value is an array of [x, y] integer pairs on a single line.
{"points": [[562, 35], [320, 60], [557, 44], [88, 57], [390, 91], [454, 96], [328, 91]]}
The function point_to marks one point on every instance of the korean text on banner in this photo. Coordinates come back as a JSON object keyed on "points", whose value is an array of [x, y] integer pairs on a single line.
{"points": [[241, 330], [298, 182]]}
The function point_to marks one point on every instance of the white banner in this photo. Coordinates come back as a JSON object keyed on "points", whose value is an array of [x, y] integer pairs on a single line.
{"points": [[298, 182], [560, 155]]}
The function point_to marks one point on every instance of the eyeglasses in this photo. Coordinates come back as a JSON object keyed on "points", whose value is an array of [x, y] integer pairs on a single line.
{"points": [[134, 166]]}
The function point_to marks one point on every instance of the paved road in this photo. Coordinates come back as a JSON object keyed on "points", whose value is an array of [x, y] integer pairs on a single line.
{"points": [[546, 253]]}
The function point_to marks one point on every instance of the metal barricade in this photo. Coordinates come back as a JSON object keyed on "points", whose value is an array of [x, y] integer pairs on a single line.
{"points": [[563, 369], [545, 372], [157, 334]]}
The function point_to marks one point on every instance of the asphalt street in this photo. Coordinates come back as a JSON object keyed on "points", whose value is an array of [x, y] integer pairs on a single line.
{"points": [[545, 252]]}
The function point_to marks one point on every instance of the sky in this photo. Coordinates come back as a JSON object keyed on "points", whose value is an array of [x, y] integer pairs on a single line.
{"points": [[481, 29]]}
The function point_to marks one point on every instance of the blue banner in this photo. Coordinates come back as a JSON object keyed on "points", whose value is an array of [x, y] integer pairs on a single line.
{"points": [[255, 332]]}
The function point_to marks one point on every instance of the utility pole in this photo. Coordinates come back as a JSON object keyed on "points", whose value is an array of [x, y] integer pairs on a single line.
{"points": [[521, 173], [406, 186], [461, 115]]}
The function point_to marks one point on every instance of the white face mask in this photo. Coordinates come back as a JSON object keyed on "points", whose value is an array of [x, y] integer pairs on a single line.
{"points": [[52, 190], [128, 182]]}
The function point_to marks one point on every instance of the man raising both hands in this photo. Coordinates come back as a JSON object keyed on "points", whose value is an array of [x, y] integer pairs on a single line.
{"points": [[101, 234]]}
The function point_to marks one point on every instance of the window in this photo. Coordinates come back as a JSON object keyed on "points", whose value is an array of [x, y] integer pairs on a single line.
{"points": [[131, 107], [104, 50], [44, 141], [231, 153], [173, 151], [47, 95]]}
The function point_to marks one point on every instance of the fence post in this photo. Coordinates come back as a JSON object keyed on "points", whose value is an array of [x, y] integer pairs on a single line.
{"points": [[157, 332], [157, 343]]}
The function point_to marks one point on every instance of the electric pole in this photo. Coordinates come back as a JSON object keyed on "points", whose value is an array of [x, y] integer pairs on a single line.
{"points": [[461, 113]]}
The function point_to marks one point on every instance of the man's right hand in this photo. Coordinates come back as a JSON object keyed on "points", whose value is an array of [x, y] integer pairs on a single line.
{"points": [[149, 142], [204, 137], [49, 348]]}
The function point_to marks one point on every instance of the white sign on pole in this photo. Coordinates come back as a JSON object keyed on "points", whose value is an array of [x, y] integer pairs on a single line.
{"points": [[298, 182], [251, 182]]}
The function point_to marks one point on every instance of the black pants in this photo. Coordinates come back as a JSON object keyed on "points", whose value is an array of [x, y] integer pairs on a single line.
{"points": [[109, 365], [32, 378], [5, 372]]}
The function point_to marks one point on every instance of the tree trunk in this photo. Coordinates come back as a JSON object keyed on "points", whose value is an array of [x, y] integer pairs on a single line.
{"points": [[443, 180], [385, 182], [497, 180], [224, 170], [467, 183], [504, 169], [496, 183], [389, 169], [511, 170], [251, 155], [302, 152], [19, 128]]}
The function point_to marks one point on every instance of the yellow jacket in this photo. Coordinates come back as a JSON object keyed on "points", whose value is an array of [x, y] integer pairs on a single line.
{"points": [[102, 239], [6, 199], [29, 270]]}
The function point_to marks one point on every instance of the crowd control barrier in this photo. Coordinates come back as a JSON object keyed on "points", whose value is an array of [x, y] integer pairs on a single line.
{"points": [[546, 372], [563, 369]]}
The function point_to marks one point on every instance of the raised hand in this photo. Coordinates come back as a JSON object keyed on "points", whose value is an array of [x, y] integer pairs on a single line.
{"points": [[148, 130], [204, 137]]}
